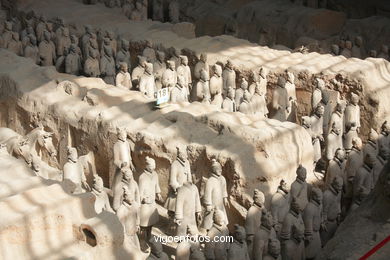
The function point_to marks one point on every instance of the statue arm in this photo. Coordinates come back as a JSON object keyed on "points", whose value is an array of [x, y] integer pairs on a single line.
{"points": [[179, 206], [308, 222], [136, 194], [207, 200], [172, 178], [286, 229], [198, 206]]}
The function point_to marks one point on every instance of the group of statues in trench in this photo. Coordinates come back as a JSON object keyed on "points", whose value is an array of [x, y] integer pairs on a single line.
{"points": [[299, 221]]}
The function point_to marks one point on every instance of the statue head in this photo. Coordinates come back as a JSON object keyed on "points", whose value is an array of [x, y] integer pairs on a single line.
{"points": [[357, 143], [258, 198], [142, 61], [88, 29], [354, 99], [335, 49], [65, 32], [339, 107], [229, 64], [320, 84], [385, 128], [30, 30], [176, 52], [72, 154], [266, 219], [47, 35], [373, 136], [244, 84], [306, 122], [203, 57], [121, 134], [155, 246], [290, 77], [316, 195], [301, 173], [336, 128], [219, 217], [247, 96], [337, 183], [93, 53], [171, 65], [216, 167], [281, 82], [149, 68], [263, 72], [217, 70], [239, 233], [283, 186], [182, 152], [320, 110], [340, 154], [111, 35], [184, 60], [150, 164], [123, 66], [125, 44], [359, 41], [372, 53], [8, 25], [348, 45], [161, 56], [98, 183], [127, 174], [74, 39], [230, 93], [203, 75]]}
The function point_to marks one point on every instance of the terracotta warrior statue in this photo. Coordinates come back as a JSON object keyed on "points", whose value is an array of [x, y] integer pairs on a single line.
{"points": [[312, 218], [228, 103], [384, 137], [280, 102], [185, 71], [107, 66], [274, 250], [129, 215], [351, 133], [169, 77], [316, 121], [213, 249], [352, 112], [147, 83], [371, 146], [215, 194], [74, 172], [299, 188], [73, 61], [149, 189], [47, 51], [126, 180], [259, 102], [15, 45], [358, 48], [336, 167], [174, 11], [238, 249], [333, 142], [239, 95], [202, 89], [253, 217], [292, 96], [263, 234], [149, 53], [260, 80], [31, 50], [159, 67], [317, 93], [123, 78], [138, 71], [331, 210], [246, 105], [216, 86], [292, 234], [353, 164], [158, 10], [379, 163], [187, 209], [364, 176], [280, 205], [102, 202], [175, 57], [180, 173], [201, 64], [229, 77], [122, 151], [156, 250], [179, 93], [91, 65], [123, 55]]}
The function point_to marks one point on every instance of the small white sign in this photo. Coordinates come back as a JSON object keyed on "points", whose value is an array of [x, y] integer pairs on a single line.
{"points": [[162, 96]]}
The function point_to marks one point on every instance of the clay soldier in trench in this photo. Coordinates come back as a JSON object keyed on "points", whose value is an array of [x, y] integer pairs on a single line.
{"points": [[260, 80], [107, 66], [280, 102], [259, 103], [228, 103], [31, 50], [176, 57], [384, 137], [201, 64], [216, 86], [333, 142], [85, 41], [292, 234], [102, 202], [123, 78], [63, 42], [40, 28], [317, 93], [159, 67], [179, 174], [202, 89], [15, 45], [129, 215], [352, 112], [169, 77], [312, 218], [229, 77], [353, 164], [122, 151], [174, 11], [299, 188], [149, 189], [126, 180], [7, 34], [91, 65], [317, 131], [263, 234], [179, 93], [246, 105], [185, 71], [379, 163], [280, 205], [217, 250], [238, 248], [187, 209], [147, 83], [336, 167], [292, 97], [123, 55], [239, 95], [74, 173], [253, 217], [73, 61], [46, 50], [138, 71], [331, 210], [351, 133], [371, 146], [215, 194], [158, 10], [149, 53]]}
